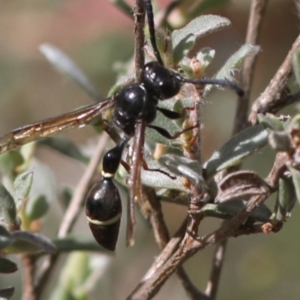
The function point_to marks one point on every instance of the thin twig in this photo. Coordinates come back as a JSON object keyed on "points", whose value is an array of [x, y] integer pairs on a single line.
{"points": [[161, 234], [276, 87], [28, 263], [76, 203], [257, 12], [214, 278]]}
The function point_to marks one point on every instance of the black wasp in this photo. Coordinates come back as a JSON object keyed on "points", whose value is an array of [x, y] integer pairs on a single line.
{"points": [[132, 104]]}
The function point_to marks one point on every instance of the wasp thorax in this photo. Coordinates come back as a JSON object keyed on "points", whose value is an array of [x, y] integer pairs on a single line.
{"points": [[160, 81]]}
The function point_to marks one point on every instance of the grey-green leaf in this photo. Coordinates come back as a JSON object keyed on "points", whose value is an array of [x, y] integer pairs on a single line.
{"points": [[296, 181], [7, 266], [6, 294], [270, 121], [286, 199], [296, 65], [232, 64], [5, 237], [183, 166], [22, 186], [158, 179], [64, 146], [66, 66], [7, 206], [43, 192], [77, 243], [183, 40], [236, 149], [28, 242], [229, 209], [9, 161]]}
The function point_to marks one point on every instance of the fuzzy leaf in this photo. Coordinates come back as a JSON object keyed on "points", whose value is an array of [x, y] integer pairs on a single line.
{"points": [[232, 64], [296, 65], [64, 146], [296, 181], [280, 141], [9, 161], [235, 150], [183, 40], [5, 237], [183, 166], [269, 121], [7, 206], [78, 243], [43, 192], [66, 66], [7, 266], [155, 178], [229, 209], [286, 199], [28, 242], [6, 294], [22, 186]]}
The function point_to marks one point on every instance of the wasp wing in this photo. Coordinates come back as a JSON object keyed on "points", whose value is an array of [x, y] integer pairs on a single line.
{"points": [[77, 118], [134, 180]]}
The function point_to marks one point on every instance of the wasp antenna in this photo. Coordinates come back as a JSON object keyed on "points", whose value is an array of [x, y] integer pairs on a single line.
{"points": [[222, 82], [150, 18]]}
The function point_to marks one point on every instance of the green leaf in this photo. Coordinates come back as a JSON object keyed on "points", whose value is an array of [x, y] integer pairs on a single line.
{"points": [[235, 150], [229, 209], [286, 199], [7, 207], [73, 275], [28, 242], [22, 186], [42, 193], [296, 65], [64, 146], [66, 66], [6, 294], [280, 141], [269, 121], [78, 243], [65, 196], [37, 207], [183, 40], [5, 237], [296, 181], [7, 266], [183, 166], [169, 125], [9, 161], [155, 178], [232, 64]]}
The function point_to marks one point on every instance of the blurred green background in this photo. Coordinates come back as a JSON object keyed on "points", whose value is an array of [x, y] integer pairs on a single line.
{"points": [[96, 34]]}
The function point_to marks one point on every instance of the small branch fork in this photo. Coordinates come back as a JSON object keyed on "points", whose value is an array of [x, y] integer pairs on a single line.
{"points": [[276, 89]]}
